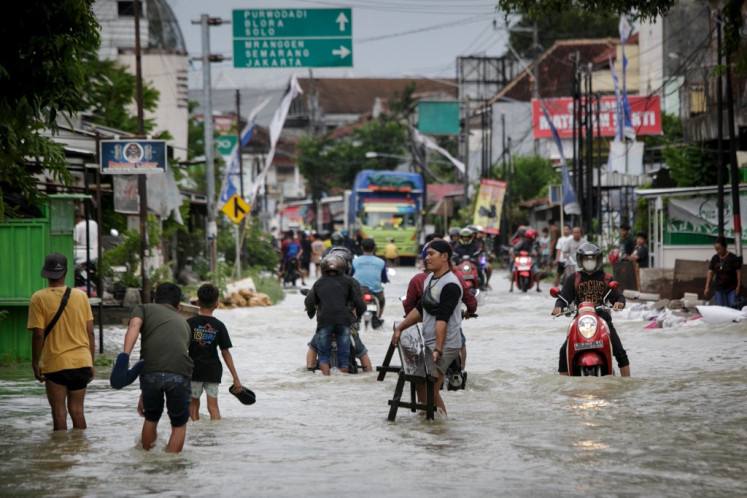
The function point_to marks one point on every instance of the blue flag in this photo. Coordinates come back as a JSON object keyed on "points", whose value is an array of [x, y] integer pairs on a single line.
{"points": [[570, 201]]}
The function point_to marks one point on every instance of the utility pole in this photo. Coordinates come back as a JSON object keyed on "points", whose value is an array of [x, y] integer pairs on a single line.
{"points": [[720, 128], [211, 231], [536, 73], [734, 169], [239, 228], [589, 152], [142, 185]]}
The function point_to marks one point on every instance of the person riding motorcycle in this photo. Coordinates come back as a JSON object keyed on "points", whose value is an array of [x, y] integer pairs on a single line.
{"points": [[336, 301], [470, 247], [590, 284], [339, 248], [291, 251], [371, 273]]}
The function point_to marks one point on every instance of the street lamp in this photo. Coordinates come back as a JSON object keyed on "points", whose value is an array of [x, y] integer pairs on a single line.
{"points": [[374, 155]]}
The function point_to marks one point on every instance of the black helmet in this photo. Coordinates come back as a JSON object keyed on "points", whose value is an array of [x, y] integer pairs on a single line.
{"points": [[346, 255], [333, 264], [589, 258], [337, 239]]}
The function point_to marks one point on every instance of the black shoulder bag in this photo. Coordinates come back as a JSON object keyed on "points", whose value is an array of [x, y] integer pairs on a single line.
{"points": [[56, 317]]}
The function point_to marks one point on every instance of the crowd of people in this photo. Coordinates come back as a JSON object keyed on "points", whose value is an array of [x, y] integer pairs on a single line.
{"points": [[180, 360]]}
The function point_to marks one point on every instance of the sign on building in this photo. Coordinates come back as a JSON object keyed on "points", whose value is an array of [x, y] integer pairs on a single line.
{"points": [[646, 116], [292, 38], [438, 117], [132, 157], [489, 205]]}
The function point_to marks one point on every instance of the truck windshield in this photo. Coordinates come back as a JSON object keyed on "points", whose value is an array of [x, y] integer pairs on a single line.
{"points": [[388, 220]]}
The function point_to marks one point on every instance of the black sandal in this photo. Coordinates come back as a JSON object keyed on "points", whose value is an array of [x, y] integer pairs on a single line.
{"points": [[244, 395]]}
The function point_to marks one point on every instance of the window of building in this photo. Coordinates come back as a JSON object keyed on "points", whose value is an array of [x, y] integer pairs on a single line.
{"points": [[127, 9]]}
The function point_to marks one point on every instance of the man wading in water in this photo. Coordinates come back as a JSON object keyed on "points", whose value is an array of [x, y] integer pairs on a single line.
{"points": [[441, 315]]}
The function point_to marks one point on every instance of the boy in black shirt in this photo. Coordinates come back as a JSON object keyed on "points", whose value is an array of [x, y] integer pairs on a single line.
{"points": [[209, 333]]}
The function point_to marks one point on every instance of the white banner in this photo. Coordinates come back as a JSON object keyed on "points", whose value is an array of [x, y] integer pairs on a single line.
{"points": [[276, 127]]}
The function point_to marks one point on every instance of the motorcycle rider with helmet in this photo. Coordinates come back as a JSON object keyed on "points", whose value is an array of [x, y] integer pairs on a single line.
{"points": [[590, 284], [331, 298], [339, 248], [472, 248]]}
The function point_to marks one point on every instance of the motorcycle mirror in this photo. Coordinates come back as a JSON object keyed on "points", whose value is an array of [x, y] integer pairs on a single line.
{"points": [[391, 272], [114, 232], [614, 285], [554, 292]]}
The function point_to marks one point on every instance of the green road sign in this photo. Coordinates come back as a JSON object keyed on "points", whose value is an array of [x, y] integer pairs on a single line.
{"points": [[291, 38], [225, 144]]}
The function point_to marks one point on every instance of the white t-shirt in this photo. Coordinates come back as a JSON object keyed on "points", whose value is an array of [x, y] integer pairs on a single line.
{"points": [[570, 247], [79, 236], [559, 247]]}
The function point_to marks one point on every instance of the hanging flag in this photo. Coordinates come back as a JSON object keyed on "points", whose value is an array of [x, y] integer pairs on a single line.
{"points": [[431, 144], [618, 104], [232, 176], [570, 201], [625, 31], [276, 127]]}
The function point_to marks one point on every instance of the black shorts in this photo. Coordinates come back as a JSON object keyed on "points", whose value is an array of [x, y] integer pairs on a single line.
{"points": [[561, 269], [175, 388], [74, 379]]}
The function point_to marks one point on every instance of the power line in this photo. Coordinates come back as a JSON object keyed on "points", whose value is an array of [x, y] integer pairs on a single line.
{"points": [[451, 24]]}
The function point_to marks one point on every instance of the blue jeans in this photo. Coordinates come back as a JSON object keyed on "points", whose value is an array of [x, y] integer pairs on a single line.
{"points": [[175, 388], [342, 333], [725, 298]]}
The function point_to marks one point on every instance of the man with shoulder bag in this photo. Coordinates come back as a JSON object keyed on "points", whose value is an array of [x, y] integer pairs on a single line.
{"points": [[63, 344]]}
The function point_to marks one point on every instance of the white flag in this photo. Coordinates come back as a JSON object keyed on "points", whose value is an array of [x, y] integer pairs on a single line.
{"points": [[276, 127], [431, 144]]}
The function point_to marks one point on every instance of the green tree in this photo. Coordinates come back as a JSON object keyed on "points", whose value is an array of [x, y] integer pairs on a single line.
{"points": [[567, 23], [551, 8], [689, 165], [110, 94], [41, 75], [531, 178]]}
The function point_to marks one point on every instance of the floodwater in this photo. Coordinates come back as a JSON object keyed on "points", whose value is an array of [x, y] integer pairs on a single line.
{"points": [[677, 428]]}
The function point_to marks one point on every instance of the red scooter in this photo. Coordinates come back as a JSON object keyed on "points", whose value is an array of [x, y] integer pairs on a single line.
{"points": [[523, 276], [467, 269], [588, 347]]}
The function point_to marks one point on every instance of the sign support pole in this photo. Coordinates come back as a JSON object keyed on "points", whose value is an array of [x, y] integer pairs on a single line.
{"points": [[239, 228], [141, 180], [207, 111]]}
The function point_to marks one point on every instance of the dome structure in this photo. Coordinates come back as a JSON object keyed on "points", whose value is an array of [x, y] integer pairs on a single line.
{"points": [[164, 32]]}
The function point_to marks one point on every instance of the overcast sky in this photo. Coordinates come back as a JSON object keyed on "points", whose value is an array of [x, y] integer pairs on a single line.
{"points": [[444, 30]]}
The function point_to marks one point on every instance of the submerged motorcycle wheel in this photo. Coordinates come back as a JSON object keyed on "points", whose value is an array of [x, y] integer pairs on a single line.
{"points": [[524, 284], [595, 371]]}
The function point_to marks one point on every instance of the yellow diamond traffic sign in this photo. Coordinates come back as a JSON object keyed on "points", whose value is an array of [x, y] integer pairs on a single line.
{"points": [[236, 209]]}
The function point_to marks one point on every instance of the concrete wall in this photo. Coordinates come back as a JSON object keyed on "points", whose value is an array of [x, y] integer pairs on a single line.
{"points": [[670, 254], [167, 73]]}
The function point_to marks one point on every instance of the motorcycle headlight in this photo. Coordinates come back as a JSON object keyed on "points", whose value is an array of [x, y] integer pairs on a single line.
{"points": [[587, 326], [465, 268]]}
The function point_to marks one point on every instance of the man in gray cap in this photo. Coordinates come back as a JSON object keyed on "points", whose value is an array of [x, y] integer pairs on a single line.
{"points": [[63, 344]]}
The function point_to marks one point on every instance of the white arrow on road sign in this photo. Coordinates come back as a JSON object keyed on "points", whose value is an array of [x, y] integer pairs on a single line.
{"points": [[342, 52], [342, 19]]}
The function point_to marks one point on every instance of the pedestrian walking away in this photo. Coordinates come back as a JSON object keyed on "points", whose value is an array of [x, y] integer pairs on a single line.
{"points": [[164, 346], [209, 334], [63, 344]]}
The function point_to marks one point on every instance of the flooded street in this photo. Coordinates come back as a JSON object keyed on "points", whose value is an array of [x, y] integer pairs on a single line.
{"points": [[677, 428]]}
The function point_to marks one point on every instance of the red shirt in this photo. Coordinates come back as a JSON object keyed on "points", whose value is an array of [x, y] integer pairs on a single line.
{"points": [[415, 293]]}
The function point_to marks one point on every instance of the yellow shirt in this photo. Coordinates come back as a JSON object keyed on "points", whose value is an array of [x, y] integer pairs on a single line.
{"points": [[390, 251], [327, 244], [67, 345]]}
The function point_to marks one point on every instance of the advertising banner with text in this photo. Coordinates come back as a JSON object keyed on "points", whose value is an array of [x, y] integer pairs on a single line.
{"points": [[646, 116]]}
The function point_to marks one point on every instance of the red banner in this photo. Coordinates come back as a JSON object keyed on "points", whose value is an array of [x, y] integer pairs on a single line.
{"points": [[646, 116]]}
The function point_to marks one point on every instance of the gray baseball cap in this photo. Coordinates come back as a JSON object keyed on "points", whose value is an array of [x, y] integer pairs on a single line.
{"points": [[55, 266]]}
